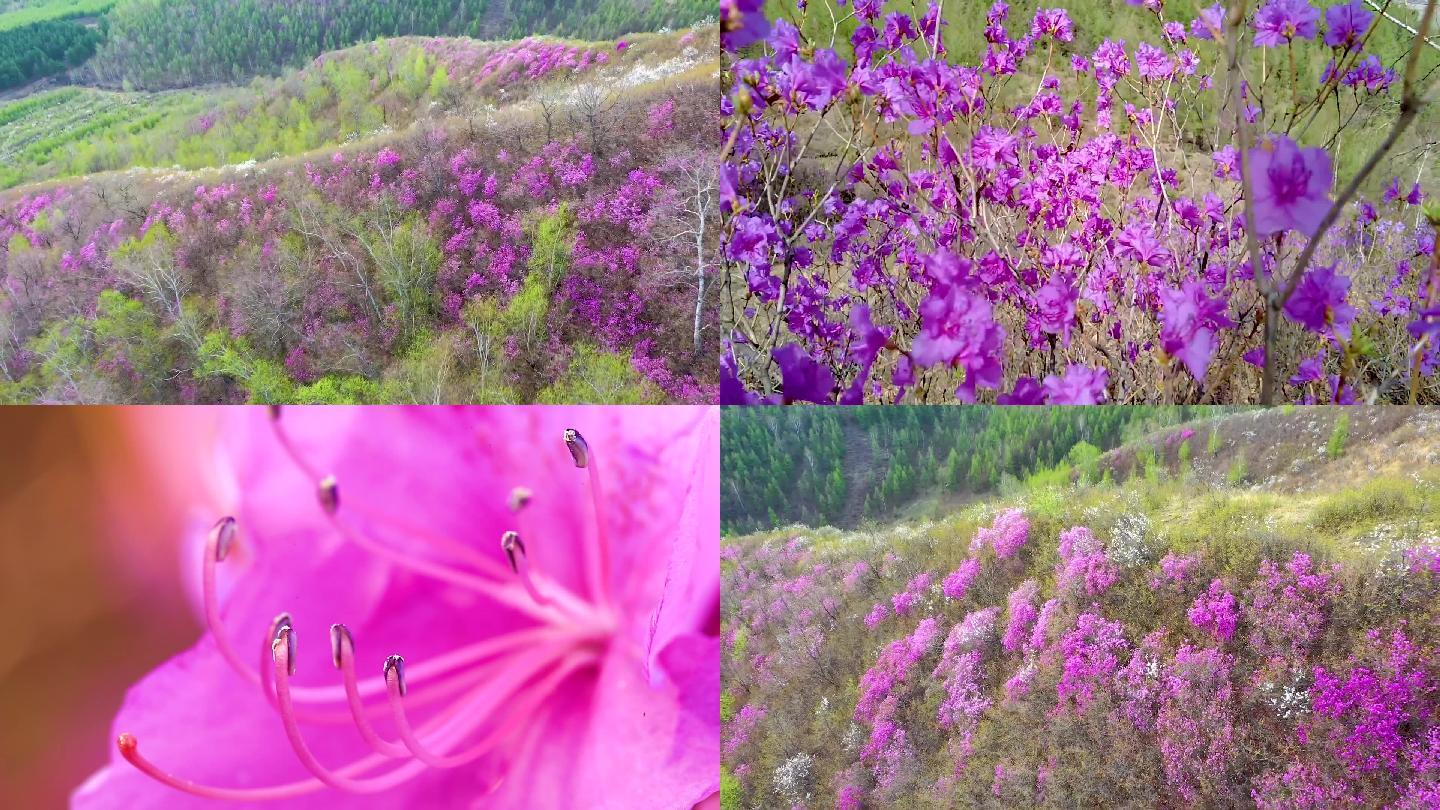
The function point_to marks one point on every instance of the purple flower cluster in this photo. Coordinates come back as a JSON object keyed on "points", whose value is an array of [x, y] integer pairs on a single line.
{"points": [[1022, 613], [1084, 568], [1006, 536], [957, 582], [1175, 571], [1092, 651], [958, 239], [1215, 612], [1287, 608]]}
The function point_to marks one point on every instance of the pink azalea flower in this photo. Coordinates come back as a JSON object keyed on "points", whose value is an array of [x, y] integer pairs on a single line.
{"points": [[558, 624], [1081, 385], [1318, 302], [1191, 322], [1281, 21], [1291, 186]]}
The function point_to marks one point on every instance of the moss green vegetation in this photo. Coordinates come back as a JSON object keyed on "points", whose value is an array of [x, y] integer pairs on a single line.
{"points": [[43, 49], [151, 46], [74, 131], [17, 15], [1336, 445]]}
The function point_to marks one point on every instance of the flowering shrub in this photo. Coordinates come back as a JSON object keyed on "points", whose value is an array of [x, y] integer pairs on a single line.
{"points": [[958, 581], [1009, 532], [1091, 653], [1286, 609], [1175, 570], [914, 591], [1367, 716], [1215, 612], [1196, 724], [1084, 566], [1022, 613], [914, 213], [1264, 682], [961, 674]]}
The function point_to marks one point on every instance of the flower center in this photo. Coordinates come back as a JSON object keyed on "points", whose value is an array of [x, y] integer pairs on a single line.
{"points": [[1288, 182]]}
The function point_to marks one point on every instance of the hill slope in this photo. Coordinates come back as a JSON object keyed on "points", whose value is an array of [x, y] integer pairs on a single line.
{"points": [[1154, 635], [413, 220]]}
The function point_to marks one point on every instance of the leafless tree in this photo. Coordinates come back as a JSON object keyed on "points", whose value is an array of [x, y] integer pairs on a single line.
{"points": [[691, 220], [592, 106], [550, 102]]}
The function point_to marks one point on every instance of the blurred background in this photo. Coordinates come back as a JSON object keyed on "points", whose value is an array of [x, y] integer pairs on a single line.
{"points": [[90, 573]]}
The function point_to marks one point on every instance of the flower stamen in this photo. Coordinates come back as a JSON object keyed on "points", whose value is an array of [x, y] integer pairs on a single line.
{"points": [[342, 651], [283, 653], [511, 543], [598, 562]]}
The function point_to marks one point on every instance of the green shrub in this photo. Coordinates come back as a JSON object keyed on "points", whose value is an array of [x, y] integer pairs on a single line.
{"points": [[1382, 499], [1336, 445], [1238, 471], [731, 794], [601, 378]]}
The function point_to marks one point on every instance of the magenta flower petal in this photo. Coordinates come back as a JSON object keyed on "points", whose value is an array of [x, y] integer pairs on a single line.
{"points": [[599, 672], [1291, 186]]}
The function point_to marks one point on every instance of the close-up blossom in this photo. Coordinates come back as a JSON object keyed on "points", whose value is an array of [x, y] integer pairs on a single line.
{"points": [[507, 607], [1292, 186], [1280, 21]]}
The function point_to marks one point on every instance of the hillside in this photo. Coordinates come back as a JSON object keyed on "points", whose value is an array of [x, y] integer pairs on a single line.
{"points": [[842, 466], [1153, 629], [416, 219], [170, 44]]}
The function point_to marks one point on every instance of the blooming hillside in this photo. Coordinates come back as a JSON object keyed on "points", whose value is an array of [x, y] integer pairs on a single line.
{"points": [[461, 222], [1148, 635], [936, 202]]}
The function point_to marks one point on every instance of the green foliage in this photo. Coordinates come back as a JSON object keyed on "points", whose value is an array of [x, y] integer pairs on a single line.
{"points": [[1238, 471], [82, 131], [1213, 444], [551, 245], [785, 460], [526, 313], [121, 354], [1084, 458], [1336, 445], [1185, 452], [407, 259], [732, 794], [44, 10], [150, 46], [339, 389], [265, 381], [42, 49], [598, 19], [1376, 501], [600, 378], [727, 706], [552, 241]]}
